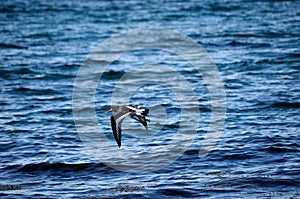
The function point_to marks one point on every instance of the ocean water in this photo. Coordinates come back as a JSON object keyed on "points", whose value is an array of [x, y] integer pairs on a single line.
{"points": [[253, 44]]}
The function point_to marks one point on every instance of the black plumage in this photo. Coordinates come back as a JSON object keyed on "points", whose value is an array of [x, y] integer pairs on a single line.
{"points": [[121, 112]]}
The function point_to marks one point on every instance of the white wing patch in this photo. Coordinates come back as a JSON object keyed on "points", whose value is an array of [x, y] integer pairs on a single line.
{"points": [[120, 119]]}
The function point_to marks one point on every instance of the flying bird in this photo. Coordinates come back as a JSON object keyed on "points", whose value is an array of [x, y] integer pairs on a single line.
{"points": [[121, 112]]}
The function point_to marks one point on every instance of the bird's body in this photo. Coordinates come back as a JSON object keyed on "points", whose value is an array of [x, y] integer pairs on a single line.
{"points": [[121, 112]]}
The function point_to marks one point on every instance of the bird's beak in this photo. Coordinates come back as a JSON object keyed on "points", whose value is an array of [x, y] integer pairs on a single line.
{"points": [[110, 110]]}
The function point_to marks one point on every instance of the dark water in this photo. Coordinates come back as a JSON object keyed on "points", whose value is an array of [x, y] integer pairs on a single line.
{"points": [[255, 46]]}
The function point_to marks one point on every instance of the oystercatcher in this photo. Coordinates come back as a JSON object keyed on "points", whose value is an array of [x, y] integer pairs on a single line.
{"points": [[121, 112]]}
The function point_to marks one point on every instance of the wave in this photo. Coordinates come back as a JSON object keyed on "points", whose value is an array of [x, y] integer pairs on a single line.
{"points": [[112, 74], [286, 104], [274, 149], [58, 167], [5, 45], [171, 192], [268, 105], [240, 43], [37, 91], [17, 71]]}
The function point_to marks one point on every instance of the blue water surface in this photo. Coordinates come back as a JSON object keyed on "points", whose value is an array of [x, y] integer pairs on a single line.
{"points": [[254, 44]]}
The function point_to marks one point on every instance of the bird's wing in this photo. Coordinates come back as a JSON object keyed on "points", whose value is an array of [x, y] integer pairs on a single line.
{"points": [[116, 125], [141, 119]]}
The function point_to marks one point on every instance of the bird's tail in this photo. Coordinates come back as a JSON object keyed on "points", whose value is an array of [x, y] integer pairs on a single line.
{"points": [[145, 112]]}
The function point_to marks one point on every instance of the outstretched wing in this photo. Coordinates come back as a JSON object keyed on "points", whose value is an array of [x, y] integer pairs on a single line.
{"points": [[143, 120], [116, 125], [141, 117]]}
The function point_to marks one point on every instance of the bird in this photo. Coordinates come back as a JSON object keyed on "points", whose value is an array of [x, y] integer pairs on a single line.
{"points": [[121, 112]]}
